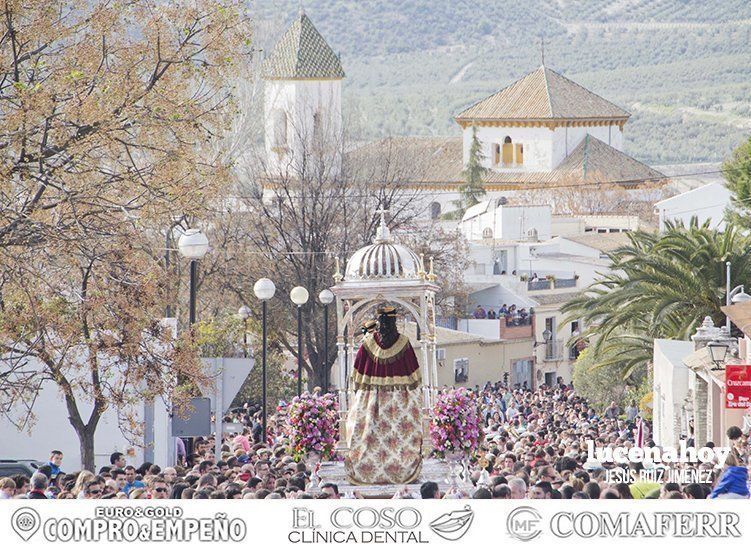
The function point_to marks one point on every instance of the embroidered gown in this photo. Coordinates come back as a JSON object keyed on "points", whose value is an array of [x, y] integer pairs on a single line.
{"points": [[384, 423]]}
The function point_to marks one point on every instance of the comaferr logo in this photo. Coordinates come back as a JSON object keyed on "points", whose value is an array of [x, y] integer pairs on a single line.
{"points": [[524, 523], [646, 524]]}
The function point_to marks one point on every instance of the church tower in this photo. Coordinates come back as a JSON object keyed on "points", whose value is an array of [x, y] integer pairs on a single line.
{"points": [[302, 104]]}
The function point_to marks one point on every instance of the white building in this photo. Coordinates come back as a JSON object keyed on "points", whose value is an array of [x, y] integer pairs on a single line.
{"points": [[302, 101], [535, 123], [670, 391], [517, 260], [542, 131], [706, 203]]}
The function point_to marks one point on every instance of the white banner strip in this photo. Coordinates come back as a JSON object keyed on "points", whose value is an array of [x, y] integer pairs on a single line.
{"points": [[371, 521]]}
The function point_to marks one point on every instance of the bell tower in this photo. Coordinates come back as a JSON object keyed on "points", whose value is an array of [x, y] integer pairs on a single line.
{"points": [[302, 104]]}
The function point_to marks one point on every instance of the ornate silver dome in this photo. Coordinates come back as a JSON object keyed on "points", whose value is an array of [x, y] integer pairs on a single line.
{"points": [[383, 259]]}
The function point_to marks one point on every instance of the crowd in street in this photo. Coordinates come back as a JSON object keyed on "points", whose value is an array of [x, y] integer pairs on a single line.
{"points": [[535, 446]]}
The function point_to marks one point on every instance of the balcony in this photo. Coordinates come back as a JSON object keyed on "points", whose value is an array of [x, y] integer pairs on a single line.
{"points": [[514, 328], [555, 351], [539, 285], [557, 283]]}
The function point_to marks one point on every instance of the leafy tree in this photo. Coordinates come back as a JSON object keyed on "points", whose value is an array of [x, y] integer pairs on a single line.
{"points": [[661, 285], [738, 176], [599, 384], [474, 173], [106, 108]]}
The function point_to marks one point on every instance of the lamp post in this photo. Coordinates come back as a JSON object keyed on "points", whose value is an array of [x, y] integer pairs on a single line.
{"points": [[193, 245], [264, 290], [299, 296], [717, 352], [244, 313], [326, 297]]}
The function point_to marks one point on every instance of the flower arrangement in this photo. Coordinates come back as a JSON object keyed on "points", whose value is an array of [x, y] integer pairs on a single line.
{"points": [[313, 425], [456, 423]]}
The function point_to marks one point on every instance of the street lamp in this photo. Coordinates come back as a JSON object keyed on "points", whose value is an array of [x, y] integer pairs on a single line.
{"points": [[264, 290], [244, 314], [326, 297], [547, 335], [717, 352], [740, 296], [733, 296], [299, 296], [193, 245]]}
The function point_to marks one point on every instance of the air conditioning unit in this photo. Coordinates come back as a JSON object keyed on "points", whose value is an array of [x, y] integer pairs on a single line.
{"points": [[440, 354]]}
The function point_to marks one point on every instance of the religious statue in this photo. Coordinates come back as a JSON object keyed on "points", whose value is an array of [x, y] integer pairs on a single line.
{"points": [[384, 423]]}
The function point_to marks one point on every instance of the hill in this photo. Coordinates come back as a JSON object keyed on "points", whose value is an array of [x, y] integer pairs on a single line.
{"points": [[681, 67]]}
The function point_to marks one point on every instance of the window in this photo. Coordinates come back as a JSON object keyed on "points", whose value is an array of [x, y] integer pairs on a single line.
{"points": [[461, 370], [519, 154], [279, 123], [508, 151], [496, 154], [435, 210], [317, 130], [487, 232]]}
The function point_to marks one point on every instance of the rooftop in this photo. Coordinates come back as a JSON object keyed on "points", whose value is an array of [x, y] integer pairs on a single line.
{"points": [[543, 94], [740, 314], [446, 337], [604, 242], [431, 162], [554, 299], [302, 53]]}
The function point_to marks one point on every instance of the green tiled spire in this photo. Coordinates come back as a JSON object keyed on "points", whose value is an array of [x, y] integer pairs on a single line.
{"points": [[302, 53]]}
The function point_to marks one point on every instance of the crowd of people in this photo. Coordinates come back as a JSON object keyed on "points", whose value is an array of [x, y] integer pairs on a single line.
{"points": [[512, 314], [535, 446]]}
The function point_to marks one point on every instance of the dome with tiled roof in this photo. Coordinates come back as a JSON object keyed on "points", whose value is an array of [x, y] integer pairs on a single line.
{"points": [[383, 259]]}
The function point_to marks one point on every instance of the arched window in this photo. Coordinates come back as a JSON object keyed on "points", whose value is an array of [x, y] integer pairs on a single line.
{"points": [[508, 151], [279, 124], [435, 210], [487, 233]]}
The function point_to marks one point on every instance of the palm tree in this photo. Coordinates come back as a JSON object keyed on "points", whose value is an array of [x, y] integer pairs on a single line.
{"points": [[660, 286]]}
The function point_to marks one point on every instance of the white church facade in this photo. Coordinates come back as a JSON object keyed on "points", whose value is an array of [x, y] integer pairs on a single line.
{"points": [[542, 131]]}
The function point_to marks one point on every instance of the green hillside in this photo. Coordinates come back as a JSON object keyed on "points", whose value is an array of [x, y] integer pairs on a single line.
{"points": [[682, 67]]}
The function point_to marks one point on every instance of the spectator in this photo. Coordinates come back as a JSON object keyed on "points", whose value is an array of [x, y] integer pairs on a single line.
{"points": [[612, 411], [131, 482], [7, 488], [55, 461], [38, 486], [429, 490], [117, 460], [479, 313]]}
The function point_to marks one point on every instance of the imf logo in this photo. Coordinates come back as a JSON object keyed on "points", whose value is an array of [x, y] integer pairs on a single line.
{"points": [[523, 523]]}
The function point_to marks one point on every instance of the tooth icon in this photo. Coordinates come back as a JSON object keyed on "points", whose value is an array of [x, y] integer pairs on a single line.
{"points": [[454, 525]]}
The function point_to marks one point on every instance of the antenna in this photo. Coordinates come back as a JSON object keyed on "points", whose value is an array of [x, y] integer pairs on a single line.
{"points": [[542, 49]]}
